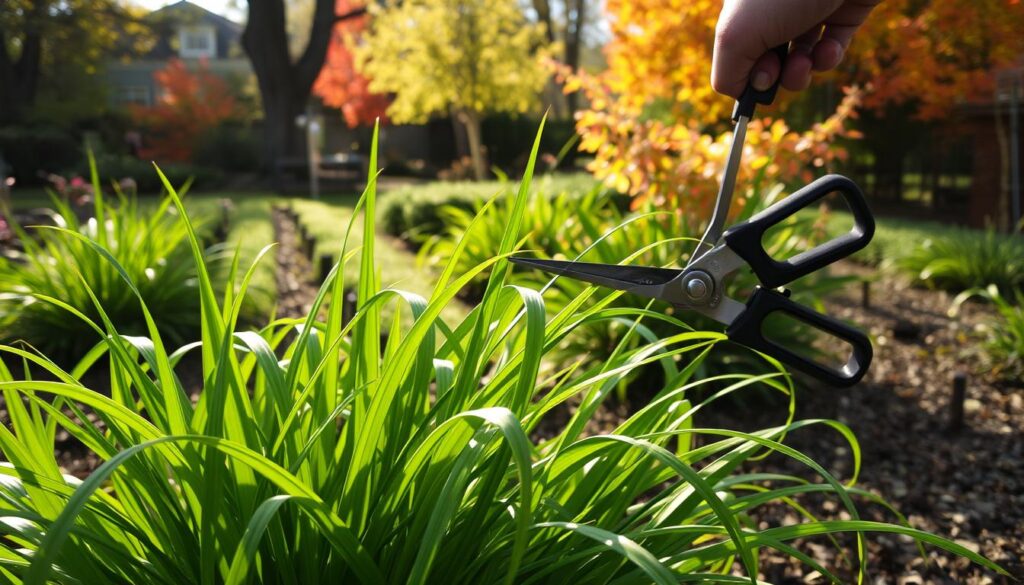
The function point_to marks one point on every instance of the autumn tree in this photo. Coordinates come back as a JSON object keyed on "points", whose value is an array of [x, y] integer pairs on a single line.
{"points": [[655, 125], [340, 85], [189, 103], [460, 57]]}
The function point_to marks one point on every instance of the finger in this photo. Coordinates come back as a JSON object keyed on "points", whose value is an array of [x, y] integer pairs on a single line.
{"points": [[852, 13], [765, 71], [839, 30], [828, 53], [796, 75]]}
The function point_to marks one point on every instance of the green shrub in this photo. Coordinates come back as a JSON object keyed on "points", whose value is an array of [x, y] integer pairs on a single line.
{"points": [[414, 212], [228, 147], [35, 151], [959, 259], [119, 166], [315, 454], [1004, 335], [64, 265], [508, 139]]}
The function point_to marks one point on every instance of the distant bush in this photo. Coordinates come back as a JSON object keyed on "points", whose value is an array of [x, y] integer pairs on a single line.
{"points": [[941, 256], [957, 259], [228, 147], [508, 139], [118, 166], [35, 151], [414, 213]]}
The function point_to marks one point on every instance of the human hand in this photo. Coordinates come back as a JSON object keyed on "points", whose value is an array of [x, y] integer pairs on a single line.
{"points": [[820, 31]]}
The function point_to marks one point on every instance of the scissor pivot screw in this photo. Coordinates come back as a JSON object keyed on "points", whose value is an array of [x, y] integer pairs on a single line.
{"points": [[698, 286], [696, 289]]}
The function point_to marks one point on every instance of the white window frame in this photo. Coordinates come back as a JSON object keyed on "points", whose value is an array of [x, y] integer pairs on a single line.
{"points": [[134, 94], [207, 32]]}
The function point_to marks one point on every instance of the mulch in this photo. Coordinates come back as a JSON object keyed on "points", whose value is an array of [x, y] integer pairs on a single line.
{"points": [[961, 482]]}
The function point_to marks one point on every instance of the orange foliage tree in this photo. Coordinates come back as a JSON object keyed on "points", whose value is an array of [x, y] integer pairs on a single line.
{"points": [[656, 127], [340, 85], [189, 103], [934, 54]]}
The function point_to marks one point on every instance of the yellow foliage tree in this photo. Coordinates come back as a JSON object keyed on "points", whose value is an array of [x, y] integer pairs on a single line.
{"points": [[463, 57]]}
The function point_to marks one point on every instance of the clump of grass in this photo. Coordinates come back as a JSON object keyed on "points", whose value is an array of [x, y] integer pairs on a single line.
{"points": [[414, 213], [1004, 334], [314, 453], [960, 259], [151, 251]]}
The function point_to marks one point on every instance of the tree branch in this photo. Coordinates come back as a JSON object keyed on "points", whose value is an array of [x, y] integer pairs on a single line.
{"points": [[312, 60], [354, 13]]}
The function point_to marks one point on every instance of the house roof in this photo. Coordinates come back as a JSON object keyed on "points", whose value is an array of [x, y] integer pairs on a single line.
{"points": [[207, 15], [167, 21]]}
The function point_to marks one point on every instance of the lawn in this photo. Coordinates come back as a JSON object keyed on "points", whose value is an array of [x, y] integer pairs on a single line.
{"points": [[328, 218]]}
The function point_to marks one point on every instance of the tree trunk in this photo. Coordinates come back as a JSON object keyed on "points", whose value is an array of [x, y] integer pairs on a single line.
{"points": [[576, 17], [471, 120], [19, 80], [285, 86]]}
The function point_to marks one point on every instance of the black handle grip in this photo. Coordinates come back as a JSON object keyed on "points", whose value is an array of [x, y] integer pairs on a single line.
{"points": [[751, 97], [746, 329], [745, 238]]}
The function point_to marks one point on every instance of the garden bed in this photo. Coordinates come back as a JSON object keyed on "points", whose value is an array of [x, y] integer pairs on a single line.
{"points": [[965, 484]]}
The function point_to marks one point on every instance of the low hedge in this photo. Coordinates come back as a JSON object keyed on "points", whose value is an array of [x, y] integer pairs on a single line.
{"points": [[412, 212], [116, 167]]}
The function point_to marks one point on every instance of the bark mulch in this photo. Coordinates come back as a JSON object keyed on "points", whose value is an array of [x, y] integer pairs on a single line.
{"points": [[964, 483]]}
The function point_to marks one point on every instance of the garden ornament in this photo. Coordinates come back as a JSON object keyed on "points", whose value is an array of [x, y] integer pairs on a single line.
{"points": [[700, 285]]}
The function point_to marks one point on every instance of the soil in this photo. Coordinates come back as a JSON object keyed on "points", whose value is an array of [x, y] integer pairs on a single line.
{"points": [[296, 286], [962, 481]]}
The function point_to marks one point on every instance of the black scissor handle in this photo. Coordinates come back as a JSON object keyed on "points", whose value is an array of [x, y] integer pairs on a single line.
{"points": [[751, 97], [747, 330], [746, 238]]}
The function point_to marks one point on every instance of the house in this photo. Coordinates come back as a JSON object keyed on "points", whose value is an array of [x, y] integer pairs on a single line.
{"points": [[183, 31]]}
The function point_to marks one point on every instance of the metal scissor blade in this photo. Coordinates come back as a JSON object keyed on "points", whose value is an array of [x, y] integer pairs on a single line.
{"points": [[725, 190], [641, 280]]}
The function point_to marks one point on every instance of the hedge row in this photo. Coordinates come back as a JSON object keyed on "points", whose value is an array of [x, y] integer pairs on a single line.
{"points": [[411, 213]]}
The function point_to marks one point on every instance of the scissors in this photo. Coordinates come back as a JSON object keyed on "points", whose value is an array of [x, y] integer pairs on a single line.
{"points": [[700, 285]]}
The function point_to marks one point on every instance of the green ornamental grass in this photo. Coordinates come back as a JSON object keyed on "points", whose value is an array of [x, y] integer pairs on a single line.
{"points": [[960, 259], [314, 453], [151, 248], [1003, 334]]}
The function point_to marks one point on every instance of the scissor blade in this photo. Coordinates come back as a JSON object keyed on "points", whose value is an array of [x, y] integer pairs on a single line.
{"points": [[642, 280], [725, 190]]}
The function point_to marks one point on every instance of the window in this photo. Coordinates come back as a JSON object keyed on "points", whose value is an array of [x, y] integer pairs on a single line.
{"points": [[197, 42], [133, 94]]}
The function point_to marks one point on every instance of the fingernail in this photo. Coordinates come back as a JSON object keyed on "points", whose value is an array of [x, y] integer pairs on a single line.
{"points": [[762, 80]]}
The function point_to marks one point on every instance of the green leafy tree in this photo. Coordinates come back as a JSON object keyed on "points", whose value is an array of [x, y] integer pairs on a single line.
{"points": [[463, 57], [50, 49]]}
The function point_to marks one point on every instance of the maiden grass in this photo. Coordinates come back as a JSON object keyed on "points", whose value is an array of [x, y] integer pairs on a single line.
{"points": [[313, 453]]}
